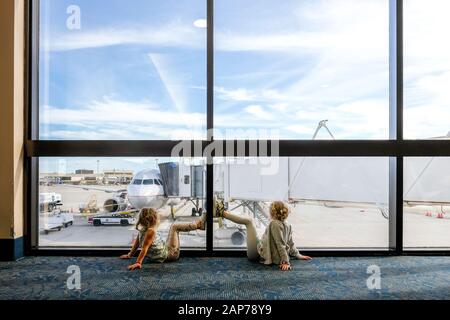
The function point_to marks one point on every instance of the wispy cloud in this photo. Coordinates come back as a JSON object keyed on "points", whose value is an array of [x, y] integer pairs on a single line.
{"points": [[333, 63], [244, 94], [174, 34], [353, 26], [258, 112], [427, 69], [328, 60], [112, 119], [176, 89]]}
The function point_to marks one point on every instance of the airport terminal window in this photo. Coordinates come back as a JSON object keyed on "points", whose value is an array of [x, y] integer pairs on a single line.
{"points": [[339, 203], [122, 70], [89, 202], [282, 67], [139, 71], [426, 203], [427, 69]]}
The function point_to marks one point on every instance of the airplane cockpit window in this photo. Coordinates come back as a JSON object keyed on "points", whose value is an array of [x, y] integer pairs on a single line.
{"points": [[157, 182], [160, 182], [137, 182], [148, 182]]}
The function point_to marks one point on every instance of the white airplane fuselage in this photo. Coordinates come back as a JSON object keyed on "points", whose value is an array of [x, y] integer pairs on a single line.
{"points": [[146, 190]]}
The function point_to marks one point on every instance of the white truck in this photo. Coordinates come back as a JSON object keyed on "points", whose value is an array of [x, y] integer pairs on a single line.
{"points": [[56, 220]]}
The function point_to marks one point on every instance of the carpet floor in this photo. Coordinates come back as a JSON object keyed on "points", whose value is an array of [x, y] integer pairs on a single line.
{"points": [[45, 278]]}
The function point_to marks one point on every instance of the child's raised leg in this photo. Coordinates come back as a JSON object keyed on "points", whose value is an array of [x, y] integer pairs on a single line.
{"points": [[252, 237], [173, 238]]}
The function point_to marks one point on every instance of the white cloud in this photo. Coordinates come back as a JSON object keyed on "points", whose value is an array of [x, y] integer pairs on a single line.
{"points": [[235, 94], [243, 94], [258, 112], [351, 26], [279, 107], [428, 113], [301, 129], [330, 61], [174, 34], [427, 69], [111, 119], [201, 23]]}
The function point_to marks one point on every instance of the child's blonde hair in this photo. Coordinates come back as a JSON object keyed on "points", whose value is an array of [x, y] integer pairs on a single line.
{"points": [[279, 211], [148, 218]]}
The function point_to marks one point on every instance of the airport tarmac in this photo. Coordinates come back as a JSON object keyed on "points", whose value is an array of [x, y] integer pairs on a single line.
{"points": [[315, 226]]}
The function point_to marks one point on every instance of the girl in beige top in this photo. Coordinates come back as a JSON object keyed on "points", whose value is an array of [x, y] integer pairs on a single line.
{"points": [[276, 245]]}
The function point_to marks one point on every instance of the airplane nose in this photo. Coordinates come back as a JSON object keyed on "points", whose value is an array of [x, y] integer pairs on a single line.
{"points": [[138, 203]]}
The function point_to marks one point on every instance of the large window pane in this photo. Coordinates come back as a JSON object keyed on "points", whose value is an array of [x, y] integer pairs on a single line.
{"points": [[94, 202], [283, 66], [427, 69], [122, 69], [334, 202], [427, 203]]}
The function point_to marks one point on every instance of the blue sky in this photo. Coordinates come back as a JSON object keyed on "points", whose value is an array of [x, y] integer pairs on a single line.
{"points": [[70, 165], [137, 69]]}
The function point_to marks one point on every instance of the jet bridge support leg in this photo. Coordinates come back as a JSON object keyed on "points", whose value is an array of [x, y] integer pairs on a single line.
{"points": [[196, 210], [256, 209]]}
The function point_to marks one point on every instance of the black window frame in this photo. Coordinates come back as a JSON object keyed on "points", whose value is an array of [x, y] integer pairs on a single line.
{"points": [[396, 148]]}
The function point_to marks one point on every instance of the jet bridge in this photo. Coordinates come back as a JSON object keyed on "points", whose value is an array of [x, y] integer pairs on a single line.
{"points": [[330, 180], [252, 182], [255, 181], [183, 181], [292, 179]]}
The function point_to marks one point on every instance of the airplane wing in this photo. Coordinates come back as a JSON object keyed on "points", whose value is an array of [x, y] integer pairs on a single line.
{"points": [[87, 188]]}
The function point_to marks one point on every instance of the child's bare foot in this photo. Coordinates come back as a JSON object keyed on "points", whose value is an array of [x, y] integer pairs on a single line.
{"points": [[201, 222], [306, 258], [218, 208]]}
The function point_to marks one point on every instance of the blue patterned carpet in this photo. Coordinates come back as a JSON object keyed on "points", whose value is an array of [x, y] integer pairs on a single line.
{"points": [[226, 279]]}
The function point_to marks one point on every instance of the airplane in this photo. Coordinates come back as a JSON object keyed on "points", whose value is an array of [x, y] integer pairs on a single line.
{"points": [[146, 190]]}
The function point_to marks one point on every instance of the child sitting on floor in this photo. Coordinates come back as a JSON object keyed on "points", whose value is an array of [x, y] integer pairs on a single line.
{"points": [[276, 245], [152, 246]]}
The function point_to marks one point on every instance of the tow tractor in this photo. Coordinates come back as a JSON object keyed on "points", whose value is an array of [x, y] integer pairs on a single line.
{"points": [[56, 220], [120, 218]]}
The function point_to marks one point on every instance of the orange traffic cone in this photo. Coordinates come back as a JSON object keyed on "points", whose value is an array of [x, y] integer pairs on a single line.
{"points": [[440, 216], [428, 214]]}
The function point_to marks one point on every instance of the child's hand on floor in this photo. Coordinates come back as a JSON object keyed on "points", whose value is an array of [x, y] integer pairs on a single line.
{"points": [[125, 257], [135, 266], [302, 257], [285, 267]]}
